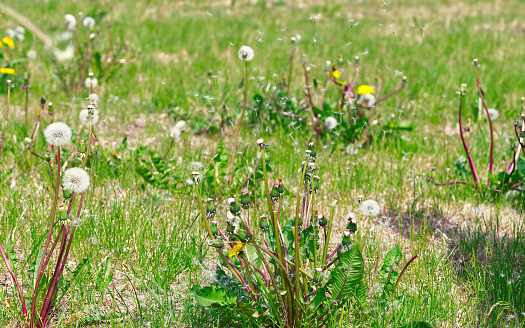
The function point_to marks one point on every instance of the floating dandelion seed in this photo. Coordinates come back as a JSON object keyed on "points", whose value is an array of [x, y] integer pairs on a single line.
{"points": [[370, 208], [75, 180], [71, 21], [89, 22], [246, 53], [58, 134], [84, 116], [330, 123]]}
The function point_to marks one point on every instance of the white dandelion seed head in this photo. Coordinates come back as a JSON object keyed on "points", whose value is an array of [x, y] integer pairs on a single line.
{"points": [[64, 36], [260, 141], [84, 116], [64, 56], [20, 30], [330, 123], [494, 114], [91, 82], [71, 21], [195, 166], [298, 37], [31, 54], [75, 180], [58, 134], [20, 37], [88, 22], [367, 100], [93, 99], [177, 129], [351, 217], [246, 53], [181, 125], [370, 208], [230, 217], [10, 33]]}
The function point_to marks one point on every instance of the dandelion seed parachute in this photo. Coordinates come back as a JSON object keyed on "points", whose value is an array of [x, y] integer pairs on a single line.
{"points": [[58, 134], [75, 180], [370, 208], [246, 53], [84, 117], [330, 123]]}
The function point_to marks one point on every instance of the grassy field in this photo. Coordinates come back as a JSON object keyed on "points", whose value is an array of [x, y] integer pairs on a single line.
{"points": [[143, 246]]}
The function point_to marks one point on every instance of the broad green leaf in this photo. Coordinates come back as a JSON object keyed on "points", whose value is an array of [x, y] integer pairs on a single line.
{"points": [[520, 168], [345, 278], [211, 295]]}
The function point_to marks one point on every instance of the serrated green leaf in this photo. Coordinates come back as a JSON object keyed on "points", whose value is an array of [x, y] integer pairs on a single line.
{"points": [[211, 295], [345, 278]]}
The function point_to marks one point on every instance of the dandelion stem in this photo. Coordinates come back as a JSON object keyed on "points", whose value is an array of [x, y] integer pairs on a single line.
{"points": [[240, 122], [328, 235], [390, 94], [490, 124], [228, 263], [403, 271], [40, 271], [20, 294], [6, 117], [465, 146]]}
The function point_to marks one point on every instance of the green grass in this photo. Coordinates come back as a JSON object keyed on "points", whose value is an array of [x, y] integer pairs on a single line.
{"points": [[155, 249]]}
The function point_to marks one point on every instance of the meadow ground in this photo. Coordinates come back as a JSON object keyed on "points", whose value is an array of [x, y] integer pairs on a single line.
{"points": [[143, 246]]}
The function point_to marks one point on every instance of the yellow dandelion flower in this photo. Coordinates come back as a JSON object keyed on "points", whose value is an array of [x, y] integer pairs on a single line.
{"points": [[336, 74], [341, 82], [236, 250], [365, 89], [5, 70], [8, 42]]}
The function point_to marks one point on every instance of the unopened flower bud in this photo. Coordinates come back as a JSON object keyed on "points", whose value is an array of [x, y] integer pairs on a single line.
{"points": [[214, 228], [217, 243], [234, 207], [243, 235], [210, 207], [62, 213], [346, 238], [263, 222], [318, 275], [245, 198]]}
